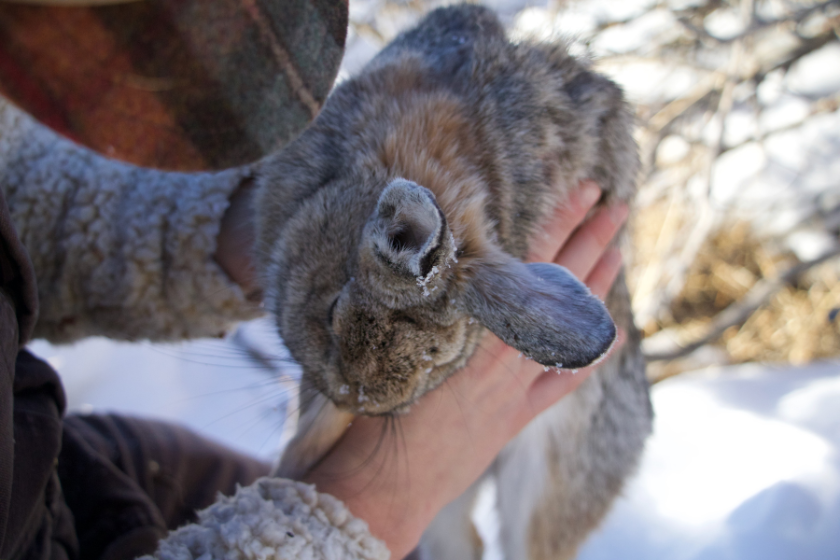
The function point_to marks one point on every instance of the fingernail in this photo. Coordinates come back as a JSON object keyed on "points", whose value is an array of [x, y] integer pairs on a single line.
{"points": [[618, 213], [590, 193]]}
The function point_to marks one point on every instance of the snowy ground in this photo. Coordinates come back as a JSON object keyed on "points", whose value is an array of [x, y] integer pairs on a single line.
{"points": [[744, 461], [211, 386]]}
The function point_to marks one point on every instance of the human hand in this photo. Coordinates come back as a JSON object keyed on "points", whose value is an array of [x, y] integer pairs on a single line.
{"points": [[235, 242], [398, 473]]}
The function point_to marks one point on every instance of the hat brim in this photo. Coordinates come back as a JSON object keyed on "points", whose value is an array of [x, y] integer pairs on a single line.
{"points": [[174, 84]]}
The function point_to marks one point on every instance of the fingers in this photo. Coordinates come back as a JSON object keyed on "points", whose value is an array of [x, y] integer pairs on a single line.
{"points": [[604, 273], [235, 242], [567, 217], [584, 249], [552, 385]]}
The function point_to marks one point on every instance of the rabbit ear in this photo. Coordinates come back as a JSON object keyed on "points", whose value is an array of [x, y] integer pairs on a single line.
{"points": [[542, 310], [408, 231]]}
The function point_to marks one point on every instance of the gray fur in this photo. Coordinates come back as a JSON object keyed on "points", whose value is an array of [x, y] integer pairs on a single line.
{"points": [[543, 310], [391, 233]]}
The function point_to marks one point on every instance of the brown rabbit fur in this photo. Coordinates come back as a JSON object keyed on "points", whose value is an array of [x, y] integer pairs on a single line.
{"points": [[391, 233]]}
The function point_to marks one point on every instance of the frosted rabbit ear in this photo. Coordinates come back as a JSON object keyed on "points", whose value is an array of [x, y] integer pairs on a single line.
{"points": [[408, 231], [542, 310]]}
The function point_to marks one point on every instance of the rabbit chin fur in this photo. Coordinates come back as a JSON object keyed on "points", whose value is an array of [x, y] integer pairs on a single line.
{"points": [[391, 233]]}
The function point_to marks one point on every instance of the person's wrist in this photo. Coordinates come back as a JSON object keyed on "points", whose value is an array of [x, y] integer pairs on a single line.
{"points": [[365, 481], [399, 527]]}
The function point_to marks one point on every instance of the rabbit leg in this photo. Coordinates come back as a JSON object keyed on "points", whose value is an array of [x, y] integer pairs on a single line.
{"points": [[452, 535]]}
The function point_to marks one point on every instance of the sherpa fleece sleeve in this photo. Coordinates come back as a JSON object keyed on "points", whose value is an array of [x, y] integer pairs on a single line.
{"points": [[118, 251], [274, 519]]}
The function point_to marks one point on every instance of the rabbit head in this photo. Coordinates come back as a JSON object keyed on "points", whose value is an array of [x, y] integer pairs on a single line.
{"points": [[379, 305]]}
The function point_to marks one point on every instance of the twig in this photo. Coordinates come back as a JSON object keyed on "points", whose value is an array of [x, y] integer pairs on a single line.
{"points": [[604, 25], [739, 312], [757, 25], [822, 105], [707, 218], [678, 107], [808, 46]]}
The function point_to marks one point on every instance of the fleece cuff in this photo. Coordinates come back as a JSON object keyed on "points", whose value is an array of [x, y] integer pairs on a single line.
{"points": [[118, 250], [274, 519]]}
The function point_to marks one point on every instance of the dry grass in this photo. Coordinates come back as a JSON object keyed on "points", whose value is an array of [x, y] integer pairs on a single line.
{"points": [[798, 324]]}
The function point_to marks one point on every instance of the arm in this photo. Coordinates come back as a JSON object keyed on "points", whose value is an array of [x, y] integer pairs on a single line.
{"points": [[118, 250]]}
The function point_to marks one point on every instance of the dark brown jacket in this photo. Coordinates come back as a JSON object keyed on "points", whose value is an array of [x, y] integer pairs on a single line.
{"points": [[34, 520]]}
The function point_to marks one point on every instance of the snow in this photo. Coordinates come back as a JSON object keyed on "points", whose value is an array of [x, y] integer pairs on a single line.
{"points": [[787, 110], [724, 23], [672, 150], [657, 25], [777, 183], [208, 385], [645, 81], [485, 518], [423, 281], [735, 170], [809, 244], [816, 74], [744, 463]]}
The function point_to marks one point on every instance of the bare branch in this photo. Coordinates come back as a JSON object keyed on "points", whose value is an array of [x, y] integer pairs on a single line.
{"points": [[757, 24], [823, 105], [739, 312]]}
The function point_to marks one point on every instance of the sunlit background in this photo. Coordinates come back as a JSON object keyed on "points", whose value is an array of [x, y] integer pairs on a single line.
{"points": [[733, 264]]}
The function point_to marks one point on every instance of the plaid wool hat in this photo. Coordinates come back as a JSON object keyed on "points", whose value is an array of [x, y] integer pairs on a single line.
{"points": [[173, 84]]}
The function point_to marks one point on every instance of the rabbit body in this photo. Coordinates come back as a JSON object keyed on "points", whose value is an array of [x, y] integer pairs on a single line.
{"points": [[391, 233]]}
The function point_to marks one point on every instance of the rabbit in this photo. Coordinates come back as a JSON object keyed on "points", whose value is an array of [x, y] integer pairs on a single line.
{"points": [[391, 234]]}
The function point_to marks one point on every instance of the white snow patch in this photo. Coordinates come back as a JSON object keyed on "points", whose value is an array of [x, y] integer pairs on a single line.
{"points": [[814, 405], [809, 244], [672, 150], [735, 169], [655, 27], [816, 74], [742, 464], [724, 23], [207, 385], [771, 88], [741, 126], [649, 81], [571, 23], [786, 111]]}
